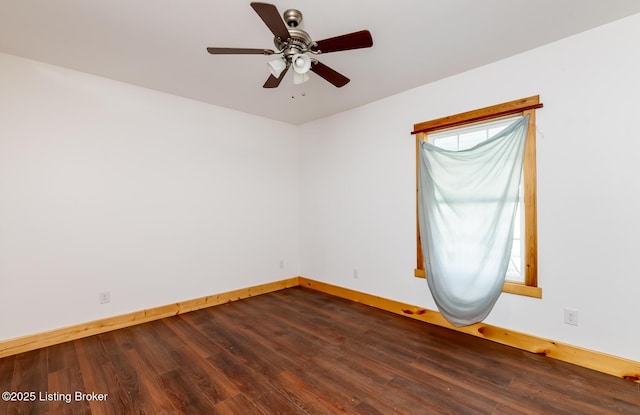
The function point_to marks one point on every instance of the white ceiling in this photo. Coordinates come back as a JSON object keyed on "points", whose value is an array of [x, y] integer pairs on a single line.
{"points": [[161, 44]]}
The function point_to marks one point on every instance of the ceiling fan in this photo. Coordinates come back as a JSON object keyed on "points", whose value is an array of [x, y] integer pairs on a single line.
{"points": [[294, 44]]}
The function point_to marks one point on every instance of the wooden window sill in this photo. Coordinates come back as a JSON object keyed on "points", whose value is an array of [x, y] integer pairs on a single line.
{"points": [[508, 287]]}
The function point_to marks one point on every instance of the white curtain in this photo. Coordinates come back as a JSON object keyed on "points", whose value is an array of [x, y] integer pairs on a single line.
{"points": [[467, 202]]}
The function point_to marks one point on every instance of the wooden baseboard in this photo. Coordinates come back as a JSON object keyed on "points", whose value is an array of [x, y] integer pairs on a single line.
{"points": [[612, 365], [78, 331], [601, 362]]}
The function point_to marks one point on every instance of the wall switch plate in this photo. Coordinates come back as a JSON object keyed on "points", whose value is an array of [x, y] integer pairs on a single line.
{"points": [[105, 297], [571, 316]]}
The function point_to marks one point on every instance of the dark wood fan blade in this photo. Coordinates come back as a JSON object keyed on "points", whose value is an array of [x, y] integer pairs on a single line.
{"points": [[355, 40], [273, 82], [271, 17], [239, 51], [329, 74]]}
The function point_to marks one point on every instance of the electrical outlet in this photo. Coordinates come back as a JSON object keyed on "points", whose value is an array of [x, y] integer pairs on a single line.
{"points": [[571, 316], [282, 263], [105, 297], [355, 273]]}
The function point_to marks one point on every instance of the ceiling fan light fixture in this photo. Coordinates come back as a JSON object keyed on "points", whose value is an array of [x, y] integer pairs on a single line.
{"points": [[293, 44], [276, 67], [301, 63]]}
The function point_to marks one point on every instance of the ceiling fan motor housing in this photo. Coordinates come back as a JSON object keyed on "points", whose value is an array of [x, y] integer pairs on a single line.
{"points": [[299, 42]]}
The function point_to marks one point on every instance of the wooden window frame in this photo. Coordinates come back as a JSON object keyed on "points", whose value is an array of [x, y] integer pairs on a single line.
{"points": [[524, 106]]}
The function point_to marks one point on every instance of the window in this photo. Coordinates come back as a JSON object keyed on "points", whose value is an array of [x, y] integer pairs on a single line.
{"points": [[465, 130]]}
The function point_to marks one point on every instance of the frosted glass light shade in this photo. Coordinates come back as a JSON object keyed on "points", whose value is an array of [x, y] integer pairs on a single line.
{"points": [[276, 67], [299, 78], [301, 63]]}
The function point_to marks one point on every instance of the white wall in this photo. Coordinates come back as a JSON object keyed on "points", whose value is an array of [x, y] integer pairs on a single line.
{"points": [[358, 175], [106, 186]]}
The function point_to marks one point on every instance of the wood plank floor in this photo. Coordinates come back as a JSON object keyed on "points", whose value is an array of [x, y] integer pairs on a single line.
{"points": [[298, 351]]}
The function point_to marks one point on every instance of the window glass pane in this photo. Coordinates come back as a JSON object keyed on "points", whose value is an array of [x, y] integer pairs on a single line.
{"points": [[470, 139], [495, 130], [490, 128], [514, 273], [447, 142]]}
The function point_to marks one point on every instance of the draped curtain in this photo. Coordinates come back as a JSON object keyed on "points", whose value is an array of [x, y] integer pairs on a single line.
{"points": [[467, 202]]}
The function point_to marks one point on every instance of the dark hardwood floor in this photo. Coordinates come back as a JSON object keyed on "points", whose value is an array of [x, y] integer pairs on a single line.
{"points": [[298, 351]]}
